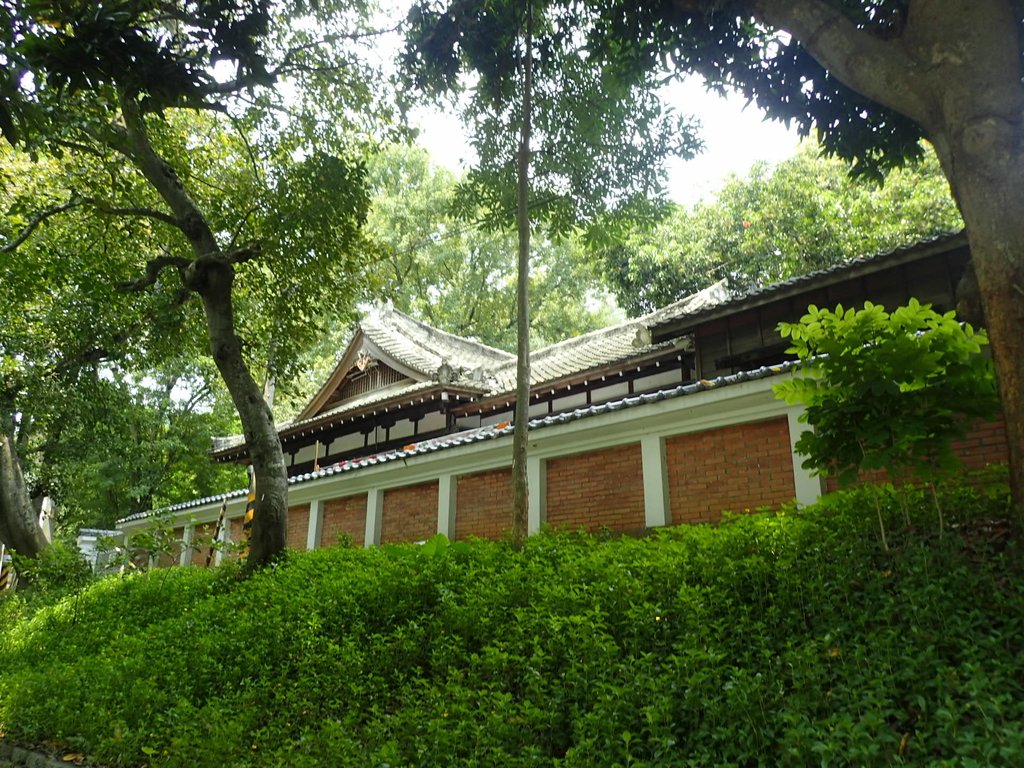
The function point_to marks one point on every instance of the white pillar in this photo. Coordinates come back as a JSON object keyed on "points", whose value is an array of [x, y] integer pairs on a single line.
{"points": [[657, 511], [316, 524], [447, 488], [223, 536], [808, 488], [537, 495], [186, 546], [374, 516]]}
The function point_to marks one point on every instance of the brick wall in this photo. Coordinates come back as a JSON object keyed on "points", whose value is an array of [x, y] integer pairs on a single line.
{"points": [[172, 558], [297, 527], [344, 516], [731, 468], [596, 490], [483, 504], [984, 444], [202, 534], [410, 513]]}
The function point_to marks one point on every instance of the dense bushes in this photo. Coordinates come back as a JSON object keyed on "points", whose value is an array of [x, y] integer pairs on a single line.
{"points": [[788, 639]]}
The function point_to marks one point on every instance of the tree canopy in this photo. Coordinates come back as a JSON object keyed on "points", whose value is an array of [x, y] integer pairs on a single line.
{"points": [[250, 204], [806, 213], [460, 275]]}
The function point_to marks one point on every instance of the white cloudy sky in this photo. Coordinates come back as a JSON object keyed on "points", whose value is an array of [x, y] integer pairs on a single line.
{"points": [[735, 136]]}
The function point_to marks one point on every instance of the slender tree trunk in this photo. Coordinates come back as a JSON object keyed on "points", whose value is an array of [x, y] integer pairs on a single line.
{"points": [[19, 522], [520, 435]]}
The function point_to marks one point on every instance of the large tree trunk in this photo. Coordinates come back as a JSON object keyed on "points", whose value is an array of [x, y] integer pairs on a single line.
{"points": [[955, 70], [520, 434], [211, 275], [991, 200], [19, 522], [270, 516]]}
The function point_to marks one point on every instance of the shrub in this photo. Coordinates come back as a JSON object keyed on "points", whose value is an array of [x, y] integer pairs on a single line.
{"points": [[57, 570], [886, 391], [791, 639]]}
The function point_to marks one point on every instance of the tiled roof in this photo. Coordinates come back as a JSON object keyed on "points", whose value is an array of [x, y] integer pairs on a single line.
{"points": [[485, 370], [606, 346], [491, 432], [424, 348], [482, 369], [669, 315]]}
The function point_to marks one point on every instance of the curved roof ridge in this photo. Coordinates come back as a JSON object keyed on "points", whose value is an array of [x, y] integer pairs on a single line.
{"points": [[416, 342], [702, 299]]}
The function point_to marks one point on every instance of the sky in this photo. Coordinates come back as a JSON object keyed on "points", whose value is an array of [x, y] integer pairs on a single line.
{"points": [[735, 135]]}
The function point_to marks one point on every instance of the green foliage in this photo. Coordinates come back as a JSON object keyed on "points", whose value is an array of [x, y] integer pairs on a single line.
{"points": [[600, 131], [58, 570], [806, 213], [461, 277], [886, 390], [788, 639]]}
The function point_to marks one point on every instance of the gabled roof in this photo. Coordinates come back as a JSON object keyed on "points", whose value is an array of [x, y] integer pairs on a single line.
{"points": [[425, 348], [411, 347]]}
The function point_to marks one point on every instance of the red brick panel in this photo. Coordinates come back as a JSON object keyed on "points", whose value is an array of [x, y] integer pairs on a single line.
{"points": [[483, 504], [298, 526], [344, 516], [732, 468], [165, 560], [410, 513], [235, 529], [601, 489], [202, 535], [984, 444]]}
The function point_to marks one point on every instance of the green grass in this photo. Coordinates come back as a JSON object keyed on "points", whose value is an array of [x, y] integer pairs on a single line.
{"points": [[789, 639]]}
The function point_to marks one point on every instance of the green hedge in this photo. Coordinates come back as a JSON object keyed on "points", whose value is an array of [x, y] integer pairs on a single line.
{"points": [[788, 639]]}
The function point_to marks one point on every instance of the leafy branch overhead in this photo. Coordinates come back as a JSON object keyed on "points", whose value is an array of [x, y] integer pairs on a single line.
{"points": [[600, 131]]}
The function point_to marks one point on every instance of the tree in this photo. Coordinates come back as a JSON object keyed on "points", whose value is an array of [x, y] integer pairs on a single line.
{"points": [[562, 139], [873, 78], [775, 223], [458, 276], [107, 419], [235, 192]]}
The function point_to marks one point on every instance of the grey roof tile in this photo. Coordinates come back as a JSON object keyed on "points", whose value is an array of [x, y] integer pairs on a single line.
{"points": [[425, 348]]}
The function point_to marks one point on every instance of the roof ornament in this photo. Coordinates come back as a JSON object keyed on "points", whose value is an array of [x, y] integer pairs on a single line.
{"points": [[445, 373], [643, 337], [365, 360]]}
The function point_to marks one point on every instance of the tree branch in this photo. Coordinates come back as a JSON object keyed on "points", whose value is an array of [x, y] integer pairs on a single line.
{"points": [[879, 69], [151, 213], [34, 224], [153, 269], [189, 218]]}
